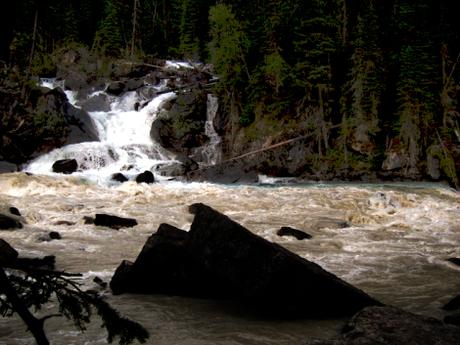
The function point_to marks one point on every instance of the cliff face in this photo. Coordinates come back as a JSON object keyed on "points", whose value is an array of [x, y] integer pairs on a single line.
{"points": [[297, 147]]}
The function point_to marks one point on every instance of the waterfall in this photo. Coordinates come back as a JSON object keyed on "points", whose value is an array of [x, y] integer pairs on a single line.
{"points": [[211, 153], [124, 138], [125, 144]]}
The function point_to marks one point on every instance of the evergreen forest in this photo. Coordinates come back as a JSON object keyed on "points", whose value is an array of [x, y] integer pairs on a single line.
{"points": [[374, 84]]}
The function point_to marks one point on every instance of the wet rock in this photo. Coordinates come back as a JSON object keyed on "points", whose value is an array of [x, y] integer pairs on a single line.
{"points": [[298, 234], [64, 222], [7, 253], [99, 102], [81, 127], [116, 88], [145, 177], [134, 84], [183, 126], [114, 222], [392, 326], [7, 167], [226, 172], [170, 169], [9, 223], [53, 235], [119, 177], [65, 166], [267, 274], [453, 304], [455, 261], [88, 220], [453, 319], [47, 262], [165, 266], [330, 223], [15, 211], [100, 282], [220, 258]]}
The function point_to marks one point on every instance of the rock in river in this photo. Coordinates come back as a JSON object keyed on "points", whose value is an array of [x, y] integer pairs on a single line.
{"points": [[392, 326], [114, 222], [220, 256], [65, 166]]}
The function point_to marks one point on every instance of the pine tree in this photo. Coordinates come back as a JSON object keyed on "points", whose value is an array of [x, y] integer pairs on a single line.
{"points": [[363, 92]]}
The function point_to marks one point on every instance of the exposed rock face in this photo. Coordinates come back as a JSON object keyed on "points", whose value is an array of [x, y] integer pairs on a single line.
{"points": [[65, 166], [220, 257], [114, 222], [453, 319], [183, 126], [392, 326], [298, 234], [165, 266]]}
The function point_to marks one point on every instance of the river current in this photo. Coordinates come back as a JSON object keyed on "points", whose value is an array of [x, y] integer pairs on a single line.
{"points": [[391, 240], [394, 247]]}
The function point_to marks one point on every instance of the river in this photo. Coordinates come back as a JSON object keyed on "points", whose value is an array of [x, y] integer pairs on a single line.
{"points": [[395, 248], [394, 245]]}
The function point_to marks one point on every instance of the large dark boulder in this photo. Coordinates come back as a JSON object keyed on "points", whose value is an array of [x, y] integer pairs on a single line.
{"points": [[65, 166], [99, 102], [145, 177], [81, 127], [220, 258], [183, 126], [232, 171], [165, 266], [119, 177], [453, 319], [9, 223], [114, 222], [455, 261], [392, 326], [266, 273]]}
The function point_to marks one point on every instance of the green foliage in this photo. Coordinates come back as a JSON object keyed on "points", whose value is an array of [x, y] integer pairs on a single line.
{"points": [[37, 287]]}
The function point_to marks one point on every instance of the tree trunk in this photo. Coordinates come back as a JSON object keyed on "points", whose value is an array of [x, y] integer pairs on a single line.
{"points": [[34, 325]]}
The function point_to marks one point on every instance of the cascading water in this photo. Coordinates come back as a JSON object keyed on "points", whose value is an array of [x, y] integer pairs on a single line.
{"points": [[394, 247], [124, 138]]}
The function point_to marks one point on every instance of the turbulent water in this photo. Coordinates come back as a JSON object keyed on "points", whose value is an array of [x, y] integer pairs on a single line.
{"points": [[394, 248], [392, 241]]}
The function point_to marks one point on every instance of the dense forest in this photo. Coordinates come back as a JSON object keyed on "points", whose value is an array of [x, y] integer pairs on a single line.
{"points": [[371, 85]]}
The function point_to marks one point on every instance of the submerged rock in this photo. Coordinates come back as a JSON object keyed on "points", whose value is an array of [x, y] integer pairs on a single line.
{"points": [[298, 234], [65, 166], [53, 235], [114, 222], [220, 258], [392, 326]]}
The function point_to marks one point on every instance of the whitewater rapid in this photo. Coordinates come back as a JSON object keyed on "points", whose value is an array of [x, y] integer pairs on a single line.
{"points": [[394, 247], [391, 241]]}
